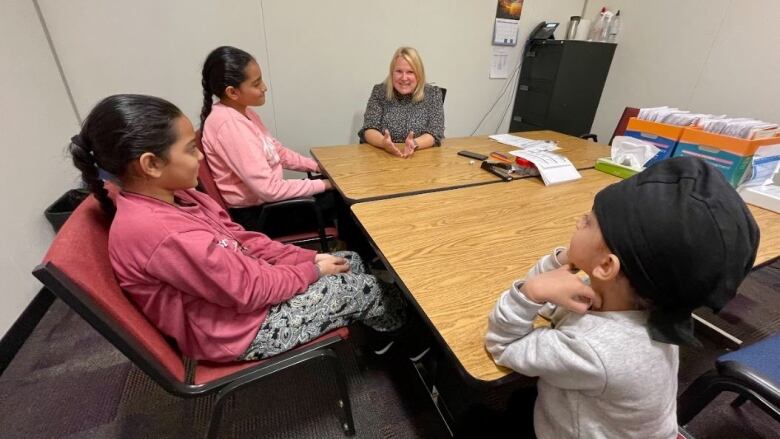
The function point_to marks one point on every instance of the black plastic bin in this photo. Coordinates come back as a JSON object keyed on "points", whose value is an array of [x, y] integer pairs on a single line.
{"points": [[59, 211]]}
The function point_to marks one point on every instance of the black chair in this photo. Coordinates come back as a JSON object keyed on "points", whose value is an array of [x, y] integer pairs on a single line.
{"points": [[77, 270], [443, 94], [303, 205], [753, 373]]}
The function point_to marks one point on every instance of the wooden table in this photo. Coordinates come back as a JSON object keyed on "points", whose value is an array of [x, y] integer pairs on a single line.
{"points": [[769, 223], [365, 173], [454, 252]]}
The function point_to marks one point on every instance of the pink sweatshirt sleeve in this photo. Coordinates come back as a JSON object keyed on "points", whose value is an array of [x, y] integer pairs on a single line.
{"points": [[260, 245], [243, 152], [292, 160], [275, 252], [194, 263]]}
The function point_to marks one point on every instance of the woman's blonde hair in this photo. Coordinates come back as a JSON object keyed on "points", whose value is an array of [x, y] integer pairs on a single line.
{"points": [[413, 58]]}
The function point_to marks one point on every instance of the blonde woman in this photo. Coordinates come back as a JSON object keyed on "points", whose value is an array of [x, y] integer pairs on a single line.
{"points": [[404, 113]]}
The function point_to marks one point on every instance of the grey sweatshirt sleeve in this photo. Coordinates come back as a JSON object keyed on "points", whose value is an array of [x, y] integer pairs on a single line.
{"points": [[565, 360]]}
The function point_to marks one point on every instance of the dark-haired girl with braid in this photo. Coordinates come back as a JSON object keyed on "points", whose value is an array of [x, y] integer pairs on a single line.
{"points": [[246, 161], [221, 292]]}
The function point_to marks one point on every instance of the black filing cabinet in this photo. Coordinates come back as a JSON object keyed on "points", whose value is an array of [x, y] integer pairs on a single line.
{"points": [[560, 85]]}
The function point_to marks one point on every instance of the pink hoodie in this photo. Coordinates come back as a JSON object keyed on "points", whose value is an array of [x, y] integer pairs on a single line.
{"points": [[199, 277], [247, 161]]}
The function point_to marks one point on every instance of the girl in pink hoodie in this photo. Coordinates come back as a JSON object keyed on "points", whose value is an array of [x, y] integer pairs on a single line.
{"points": [[221, 292], [247, 162]]}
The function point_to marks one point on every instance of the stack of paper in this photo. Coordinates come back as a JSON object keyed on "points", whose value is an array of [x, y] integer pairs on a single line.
{"points": [[523, 143], [553, 168], [743, 127], [767, 197]]}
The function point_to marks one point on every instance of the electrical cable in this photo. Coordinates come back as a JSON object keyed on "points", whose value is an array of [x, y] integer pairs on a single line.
{"points": [[515, 71]]}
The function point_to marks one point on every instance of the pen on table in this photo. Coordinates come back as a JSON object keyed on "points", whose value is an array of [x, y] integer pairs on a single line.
{"points": [[500, 157]]}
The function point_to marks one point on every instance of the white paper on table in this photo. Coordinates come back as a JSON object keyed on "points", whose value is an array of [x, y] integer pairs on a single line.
{"points": [[505, 32], [499, 63], [523, 143], [553, 168]]}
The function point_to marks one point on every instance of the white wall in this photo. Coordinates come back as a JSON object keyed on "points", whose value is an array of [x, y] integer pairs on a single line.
{"points": [[36, 125], [320, 60], [148, 46], [716, 56], [325, 61]]}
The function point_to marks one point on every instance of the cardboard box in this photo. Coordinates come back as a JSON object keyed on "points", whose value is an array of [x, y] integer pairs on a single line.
{"points": [[662, 135], [606, 164], [731, 155], [767, 197]]}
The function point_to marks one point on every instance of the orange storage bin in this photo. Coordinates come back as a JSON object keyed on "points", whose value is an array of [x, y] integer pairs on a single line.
{"points": [[663, 136], [731, 155]]}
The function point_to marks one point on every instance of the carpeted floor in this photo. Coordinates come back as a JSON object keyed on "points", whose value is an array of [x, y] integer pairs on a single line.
{"points": [[752, 315], [67, 381]]}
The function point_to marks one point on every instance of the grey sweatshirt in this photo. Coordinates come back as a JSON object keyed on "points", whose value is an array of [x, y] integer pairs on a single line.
{"points": [[600, 374]]}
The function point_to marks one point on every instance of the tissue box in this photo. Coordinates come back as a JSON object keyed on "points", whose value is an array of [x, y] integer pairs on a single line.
{"points": [[731, 155], [663, 136], [606, 164], [767, 197]]}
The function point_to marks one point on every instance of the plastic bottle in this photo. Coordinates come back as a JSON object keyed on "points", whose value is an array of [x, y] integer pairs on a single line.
{"points": [[606, 22], [598, 25], [601, 26], [614, 28]]}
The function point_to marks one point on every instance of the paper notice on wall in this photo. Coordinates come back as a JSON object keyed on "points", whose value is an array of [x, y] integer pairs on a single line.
{"points": [[499, 63], [505, 32]]}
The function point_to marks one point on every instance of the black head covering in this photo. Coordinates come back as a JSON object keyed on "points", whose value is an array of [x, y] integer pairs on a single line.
{"points": [[684, 238]]}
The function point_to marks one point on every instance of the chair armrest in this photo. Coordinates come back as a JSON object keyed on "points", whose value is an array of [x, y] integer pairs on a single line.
{"points": [[302, 202], [278, 206], [590, 136], [314, 176]]}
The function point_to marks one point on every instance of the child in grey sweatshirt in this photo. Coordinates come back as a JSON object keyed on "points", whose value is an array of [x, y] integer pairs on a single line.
{"points": [[655, 246]]}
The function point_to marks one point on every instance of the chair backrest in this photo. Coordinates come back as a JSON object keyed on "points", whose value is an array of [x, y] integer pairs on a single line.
{"points": [[206, 178], [77, 269], [620, 129]]}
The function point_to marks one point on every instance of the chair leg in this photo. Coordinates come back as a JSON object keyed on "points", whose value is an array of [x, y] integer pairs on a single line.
{"points": [[700, 393], [323, 353], [344, 404], [216, 416], [738, 401], [321, 229]]}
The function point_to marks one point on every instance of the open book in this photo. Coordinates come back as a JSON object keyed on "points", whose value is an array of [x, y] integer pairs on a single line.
{"points": [[553, 168]]}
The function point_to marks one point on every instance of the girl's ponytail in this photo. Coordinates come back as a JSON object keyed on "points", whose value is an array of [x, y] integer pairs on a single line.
{"points": [[207, 102], [84, 159], [223, 68], [117, 132]]}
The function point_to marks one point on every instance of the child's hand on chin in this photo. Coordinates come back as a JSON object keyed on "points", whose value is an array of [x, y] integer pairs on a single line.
{"points": [[563, 288]]}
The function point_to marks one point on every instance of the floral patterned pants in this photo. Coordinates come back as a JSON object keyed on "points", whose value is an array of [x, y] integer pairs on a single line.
{"points": [[331, 302]]}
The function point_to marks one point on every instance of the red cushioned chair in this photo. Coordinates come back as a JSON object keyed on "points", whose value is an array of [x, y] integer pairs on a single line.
{"points": [[321, 234], [77, 270], [620, 129]]}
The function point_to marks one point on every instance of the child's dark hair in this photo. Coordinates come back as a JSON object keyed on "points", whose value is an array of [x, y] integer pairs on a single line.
{"points": [[117, 131], [224, 67]]}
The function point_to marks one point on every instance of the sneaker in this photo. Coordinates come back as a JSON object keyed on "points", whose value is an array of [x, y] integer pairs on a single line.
{"points": [[383, 275], [376, 263], [420, 356], [383, 349]]}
